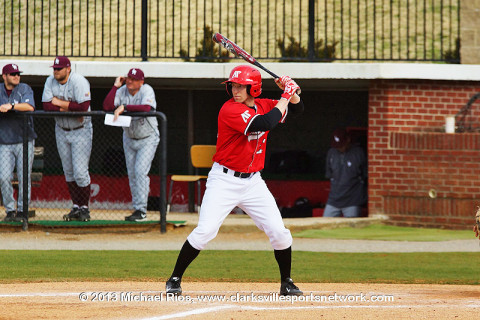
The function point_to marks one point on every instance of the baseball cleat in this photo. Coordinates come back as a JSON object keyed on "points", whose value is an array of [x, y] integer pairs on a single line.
{"points": [[288, 288], [173, 286], [137, 215], [84, 214], [10, 217], [73, 215]]}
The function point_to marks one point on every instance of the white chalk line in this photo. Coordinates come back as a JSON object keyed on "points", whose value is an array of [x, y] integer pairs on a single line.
{"points": [[253, 308], [468, 304]]}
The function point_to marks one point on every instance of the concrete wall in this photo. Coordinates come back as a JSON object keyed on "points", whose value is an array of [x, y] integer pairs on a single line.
{"points": [[470, 31]]}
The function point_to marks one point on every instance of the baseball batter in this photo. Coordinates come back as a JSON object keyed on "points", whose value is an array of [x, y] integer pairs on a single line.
{"points": [[235, 180], [14, 97], [141, 139], [68, 91]]}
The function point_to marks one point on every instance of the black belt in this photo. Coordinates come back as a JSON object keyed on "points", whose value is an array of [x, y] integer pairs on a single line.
{"points": [[237, 174], [68, 129]]}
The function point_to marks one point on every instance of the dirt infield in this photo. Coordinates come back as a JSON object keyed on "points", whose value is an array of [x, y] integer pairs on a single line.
{"points": [[144, 300]]}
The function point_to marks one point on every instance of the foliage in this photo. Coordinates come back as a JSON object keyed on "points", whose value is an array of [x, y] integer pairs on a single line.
{"points": [[295, 52], [207, 49], [453, 56]]}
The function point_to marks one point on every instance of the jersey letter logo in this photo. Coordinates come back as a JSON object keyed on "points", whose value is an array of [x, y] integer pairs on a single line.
{"points": [[245, 116], [236, 74]]}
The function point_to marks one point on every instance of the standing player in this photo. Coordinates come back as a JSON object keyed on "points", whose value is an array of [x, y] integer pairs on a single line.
{"points": [[14, 97], [234, 180], [140, 140], [68, 91]]}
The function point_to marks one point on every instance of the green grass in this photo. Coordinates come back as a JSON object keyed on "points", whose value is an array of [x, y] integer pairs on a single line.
{"points": [[384, 232], [243, 266]]}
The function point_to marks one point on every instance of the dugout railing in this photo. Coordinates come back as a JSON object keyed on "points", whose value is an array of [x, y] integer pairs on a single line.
{"points": [[282, 30], [110, 199]]}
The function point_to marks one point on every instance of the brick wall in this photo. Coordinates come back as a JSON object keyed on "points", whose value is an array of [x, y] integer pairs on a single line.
{"points": [[418, 174]]}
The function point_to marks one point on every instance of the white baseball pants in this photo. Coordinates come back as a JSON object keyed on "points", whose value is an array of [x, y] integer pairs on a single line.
{"points": [[223, 193]]}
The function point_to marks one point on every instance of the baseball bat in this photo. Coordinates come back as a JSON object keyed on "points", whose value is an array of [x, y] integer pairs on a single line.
{"points": [[239, 52]]}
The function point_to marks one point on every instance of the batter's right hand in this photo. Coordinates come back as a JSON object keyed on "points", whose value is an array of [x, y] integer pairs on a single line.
{"points": [[119, 81], [290, 89]]}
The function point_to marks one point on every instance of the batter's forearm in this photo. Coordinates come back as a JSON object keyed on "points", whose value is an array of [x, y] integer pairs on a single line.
{"points": [[295, 99], [282, 105]]}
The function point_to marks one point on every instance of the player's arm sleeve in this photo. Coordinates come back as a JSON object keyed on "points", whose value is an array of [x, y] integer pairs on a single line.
{"points": [[296, 109], [48, 106], [74, 106], [138, 108], [265, 122], [109, 102], [328, 169]]}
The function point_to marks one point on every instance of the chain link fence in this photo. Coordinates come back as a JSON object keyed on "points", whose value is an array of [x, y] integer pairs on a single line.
{"points": [[110, 196]]}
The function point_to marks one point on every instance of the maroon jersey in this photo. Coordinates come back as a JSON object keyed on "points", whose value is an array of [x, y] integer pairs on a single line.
{"points": [[238, 149]]}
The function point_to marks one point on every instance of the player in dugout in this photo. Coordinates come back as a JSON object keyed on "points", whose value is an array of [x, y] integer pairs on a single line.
{"points": [[68, 91], [244, 122]]}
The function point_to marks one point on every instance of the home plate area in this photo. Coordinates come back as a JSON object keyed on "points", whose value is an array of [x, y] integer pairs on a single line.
{"points": [[226, 300]]}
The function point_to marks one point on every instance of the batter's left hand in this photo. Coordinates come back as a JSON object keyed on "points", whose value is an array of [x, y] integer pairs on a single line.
{"points": [[282, 81]]}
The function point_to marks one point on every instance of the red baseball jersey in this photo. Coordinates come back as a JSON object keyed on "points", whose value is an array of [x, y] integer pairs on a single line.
{"points": [[238, 149]]}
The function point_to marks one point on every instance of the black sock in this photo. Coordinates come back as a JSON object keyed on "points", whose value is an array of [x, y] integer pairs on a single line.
{"points": [[284, 260], [185, 257]]}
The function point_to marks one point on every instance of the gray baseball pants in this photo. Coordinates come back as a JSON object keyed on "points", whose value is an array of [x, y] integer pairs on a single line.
{"points": [[138, 157], [74, 148], [11, 156]]}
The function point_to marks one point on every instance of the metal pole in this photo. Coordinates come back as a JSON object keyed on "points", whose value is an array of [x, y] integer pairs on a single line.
{"points": [[25, 173], [144, 30], [190, 142], [163, 173], [311, 30]]}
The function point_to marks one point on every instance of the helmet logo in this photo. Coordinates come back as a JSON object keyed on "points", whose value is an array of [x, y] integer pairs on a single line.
{"points": [[236, 74]]}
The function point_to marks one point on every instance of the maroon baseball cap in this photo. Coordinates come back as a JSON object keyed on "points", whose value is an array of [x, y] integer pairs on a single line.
{"points": [[61, 62], [10, 68], [339, 138], [136, 74]]}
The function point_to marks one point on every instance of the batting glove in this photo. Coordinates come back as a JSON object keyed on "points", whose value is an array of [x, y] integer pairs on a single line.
{"points": [[284, 80], [290, 89]]}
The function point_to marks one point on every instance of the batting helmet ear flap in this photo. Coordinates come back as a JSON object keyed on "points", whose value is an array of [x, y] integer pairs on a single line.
{"points": [[254, 90]]}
